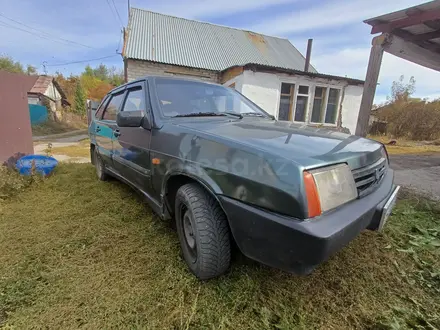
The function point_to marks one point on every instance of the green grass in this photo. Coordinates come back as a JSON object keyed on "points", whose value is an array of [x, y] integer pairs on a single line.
{"points": [[76, 252], [405, 146], [82, 149]]}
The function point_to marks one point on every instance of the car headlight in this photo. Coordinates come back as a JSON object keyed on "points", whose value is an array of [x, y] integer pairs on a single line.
{"points": [[384, 153], [328, 187]]}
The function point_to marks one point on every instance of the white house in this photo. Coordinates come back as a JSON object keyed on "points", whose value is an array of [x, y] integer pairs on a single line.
{"points": [[268, 70]]}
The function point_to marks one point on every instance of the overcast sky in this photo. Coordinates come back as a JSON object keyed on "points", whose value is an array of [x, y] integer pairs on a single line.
{"points": [[80, 30]]}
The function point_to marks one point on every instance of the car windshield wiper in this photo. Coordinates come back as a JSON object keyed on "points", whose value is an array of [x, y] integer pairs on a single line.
{"points": [[210, 114]]}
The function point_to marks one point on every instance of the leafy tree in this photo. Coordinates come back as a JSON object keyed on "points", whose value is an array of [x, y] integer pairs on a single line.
{"points": [[400, 91], [80, 100], [101, 72], [116, 77], [98, 93], [8, 64], [88, 71], [30, 69], [68, 85]]}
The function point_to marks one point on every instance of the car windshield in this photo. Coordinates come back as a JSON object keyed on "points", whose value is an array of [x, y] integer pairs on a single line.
{"points": [[186, 98]]}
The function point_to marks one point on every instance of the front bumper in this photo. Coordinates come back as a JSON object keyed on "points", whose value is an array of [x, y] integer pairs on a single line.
{"points": [[294, 245]]}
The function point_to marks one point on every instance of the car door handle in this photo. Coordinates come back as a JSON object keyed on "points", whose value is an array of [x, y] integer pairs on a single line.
{"points": [[98, 129], [117, 133]]}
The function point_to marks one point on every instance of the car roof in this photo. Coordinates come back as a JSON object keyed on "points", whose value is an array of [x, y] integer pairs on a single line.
{"points": [[148, 77]]}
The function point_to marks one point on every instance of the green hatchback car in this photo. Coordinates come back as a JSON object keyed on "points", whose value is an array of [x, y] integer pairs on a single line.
{"points": [[202, 154]]}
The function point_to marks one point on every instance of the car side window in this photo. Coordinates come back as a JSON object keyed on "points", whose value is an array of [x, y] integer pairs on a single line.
{"points": [[113, 107], [135, 100], [100, 110]]}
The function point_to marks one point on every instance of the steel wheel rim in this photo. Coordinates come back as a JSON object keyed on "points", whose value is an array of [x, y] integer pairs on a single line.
{"points": [[188, 234]]}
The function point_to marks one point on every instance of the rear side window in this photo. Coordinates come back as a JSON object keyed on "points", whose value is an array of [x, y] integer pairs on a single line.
{"points": [[100, 110], [135, 100], [113, 107]]}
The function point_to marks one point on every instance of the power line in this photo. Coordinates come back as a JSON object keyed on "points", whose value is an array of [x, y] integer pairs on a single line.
{"points": [[30, 32], [119, 44], [47, 35], [117, 12], [84, 61], [113, 12]]}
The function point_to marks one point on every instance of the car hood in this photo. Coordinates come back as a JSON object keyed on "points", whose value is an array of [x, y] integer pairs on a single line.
{"points": [[305, 145]]}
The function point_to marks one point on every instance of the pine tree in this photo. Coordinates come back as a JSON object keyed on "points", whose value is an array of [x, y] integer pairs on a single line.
{"points": [[80, 100]]}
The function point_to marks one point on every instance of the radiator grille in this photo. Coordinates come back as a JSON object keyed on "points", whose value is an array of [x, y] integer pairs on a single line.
{"points": [[368, 178]]}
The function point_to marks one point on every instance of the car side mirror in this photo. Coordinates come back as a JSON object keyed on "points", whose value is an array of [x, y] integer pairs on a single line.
{"points": [[130, 118]]}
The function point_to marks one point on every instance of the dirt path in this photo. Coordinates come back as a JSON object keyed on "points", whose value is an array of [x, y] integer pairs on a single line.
{"points": [[58, 141], [60, 135], [419, 172]]}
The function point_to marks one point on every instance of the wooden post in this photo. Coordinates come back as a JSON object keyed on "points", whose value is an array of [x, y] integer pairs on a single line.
{"points": [[371, 78]]}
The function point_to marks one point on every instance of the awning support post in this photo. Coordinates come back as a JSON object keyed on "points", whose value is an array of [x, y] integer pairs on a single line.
{"points": [[374, 64]]}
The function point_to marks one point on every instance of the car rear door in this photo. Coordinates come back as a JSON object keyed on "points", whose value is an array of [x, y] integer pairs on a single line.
{"points": [[105, 126], [131, 149]]}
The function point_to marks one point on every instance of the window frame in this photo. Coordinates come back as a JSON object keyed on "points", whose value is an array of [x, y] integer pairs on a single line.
{"points": [[337, 105], [327, 94], [306, 114], [132, 87], [323, 105], [102, 106], [118, 92], [312, 85], [291, 96]]}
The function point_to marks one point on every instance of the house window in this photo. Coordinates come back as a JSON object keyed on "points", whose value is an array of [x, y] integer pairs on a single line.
{"points": [[325, 105], [318, 105], [302, 100], [286, 100], [332, 106]]}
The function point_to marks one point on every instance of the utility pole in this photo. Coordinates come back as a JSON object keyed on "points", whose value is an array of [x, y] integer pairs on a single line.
{"points": [[128, 12], [44, 67]]}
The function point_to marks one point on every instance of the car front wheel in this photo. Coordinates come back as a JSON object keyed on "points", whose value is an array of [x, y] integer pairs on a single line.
{"points": [[203, 232]]}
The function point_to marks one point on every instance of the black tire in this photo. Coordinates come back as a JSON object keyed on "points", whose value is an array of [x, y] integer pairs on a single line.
{"points": [[208, 254], [100, 167]]}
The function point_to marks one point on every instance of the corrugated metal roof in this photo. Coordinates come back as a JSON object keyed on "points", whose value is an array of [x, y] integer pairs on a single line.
{"points": [[178, 41], [41, 84]]}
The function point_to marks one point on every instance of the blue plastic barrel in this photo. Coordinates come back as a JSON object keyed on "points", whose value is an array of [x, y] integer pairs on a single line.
{"points": [[43, 165]]}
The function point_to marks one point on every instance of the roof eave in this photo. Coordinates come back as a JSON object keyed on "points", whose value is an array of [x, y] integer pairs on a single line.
{"points": [[351, 81]]}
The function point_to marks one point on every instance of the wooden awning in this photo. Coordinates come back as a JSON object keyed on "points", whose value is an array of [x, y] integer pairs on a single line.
{"points": [[412, 33]]}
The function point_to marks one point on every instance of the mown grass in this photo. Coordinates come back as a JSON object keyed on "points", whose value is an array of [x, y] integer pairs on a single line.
{"points": [[405, 146], [82, 149], [76, 252]]}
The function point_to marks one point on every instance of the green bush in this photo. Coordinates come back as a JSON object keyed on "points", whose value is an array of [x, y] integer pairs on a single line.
{"points": [[12, 183]]}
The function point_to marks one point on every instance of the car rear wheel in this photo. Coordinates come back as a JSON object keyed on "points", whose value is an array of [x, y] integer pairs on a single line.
{"points": [[203, 232], [100, 167]]}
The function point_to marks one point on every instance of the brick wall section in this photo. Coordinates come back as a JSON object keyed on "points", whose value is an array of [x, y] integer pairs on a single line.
{"points": [[137, 69]]}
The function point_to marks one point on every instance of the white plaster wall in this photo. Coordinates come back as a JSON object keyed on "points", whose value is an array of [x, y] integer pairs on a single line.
{"points": [[351, 106], [264, 89], [52, 92], [33, 100], [238, 80]]}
